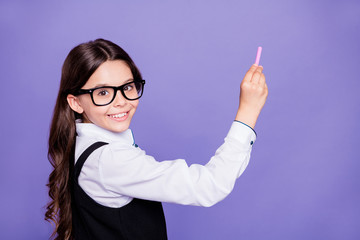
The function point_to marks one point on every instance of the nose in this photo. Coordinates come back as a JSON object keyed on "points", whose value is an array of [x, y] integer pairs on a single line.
{"points": [[119, 100]]}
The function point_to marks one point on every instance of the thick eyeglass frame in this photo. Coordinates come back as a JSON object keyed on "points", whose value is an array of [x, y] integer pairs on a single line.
{"points": [[121, 88]]}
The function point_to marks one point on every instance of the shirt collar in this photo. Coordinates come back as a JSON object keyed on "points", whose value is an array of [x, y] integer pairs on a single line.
{"points": [[90, 130]]}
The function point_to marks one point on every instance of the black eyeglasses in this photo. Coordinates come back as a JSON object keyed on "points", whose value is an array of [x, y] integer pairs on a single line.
{"points": [[102, 96]]}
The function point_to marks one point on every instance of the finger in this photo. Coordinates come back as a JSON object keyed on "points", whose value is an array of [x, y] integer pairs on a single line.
{"points": [[250, 72], [266, 89], [262, 81], [257, 74]]}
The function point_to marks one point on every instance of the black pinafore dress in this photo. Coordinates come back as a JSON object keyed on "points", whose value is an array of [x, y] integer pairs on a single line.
{"points": [[139, 219]]}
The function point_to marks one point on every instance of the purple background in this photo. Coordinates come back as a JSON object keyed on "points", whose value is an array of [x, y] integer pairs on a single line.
{"points": [[302, 181]]}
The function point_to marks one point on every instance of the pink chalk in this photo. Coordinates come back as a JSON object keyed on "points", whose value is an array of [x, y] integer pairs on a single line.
{"points": [[258, 55]]}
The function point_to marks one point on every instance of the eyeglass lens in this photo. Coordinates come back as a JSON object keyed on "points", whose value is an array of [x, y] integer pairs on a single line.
{"points": [[105, 95]]}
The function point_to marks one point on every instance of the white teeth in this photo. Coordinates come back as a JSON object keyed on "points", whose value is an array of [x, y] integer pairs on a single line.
{"points": [[118, 115]]}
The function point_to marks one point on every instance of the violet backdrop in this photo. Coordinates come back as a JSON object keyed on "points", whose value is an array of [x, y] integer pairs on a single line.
{"points": [[302, 181]]}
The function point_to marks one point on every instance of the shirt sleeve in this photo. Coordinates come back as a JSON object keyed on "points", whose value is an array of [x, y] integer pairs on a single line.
{"points": [[130, 172]]}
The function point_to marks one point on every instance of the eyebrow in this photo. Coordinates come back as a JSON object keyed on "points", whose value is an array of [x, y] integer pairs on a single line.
{"points": [[106, 85]]}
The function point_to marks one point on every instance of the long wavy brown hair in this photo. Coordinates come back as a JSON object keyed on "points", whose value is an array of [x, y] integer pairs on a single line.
{"points": [[79, 65]]}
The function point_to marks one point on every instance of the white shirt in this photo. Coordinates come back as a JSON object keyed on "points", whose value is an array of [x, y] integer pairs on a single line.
{"points": [[116, 173]]}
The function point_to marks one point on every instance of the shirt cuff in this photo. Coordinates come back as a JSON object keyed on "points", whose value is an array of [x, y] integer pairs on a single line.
{"points": [[246, 125], [242, 132]]}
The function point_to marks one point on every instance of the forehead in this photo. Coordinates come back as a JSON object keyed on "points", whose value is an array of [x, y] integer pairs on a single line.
{"points": [[110, 73]]}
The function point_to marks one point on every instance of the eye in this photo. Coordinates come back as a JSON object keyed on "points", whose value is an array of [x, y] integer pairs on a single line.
{"points": [[129, 87], [102, 92]]}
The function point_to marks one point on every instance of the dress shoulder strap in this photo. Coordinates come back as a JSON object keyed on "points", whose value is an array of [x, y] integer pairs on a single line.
{"points": [[80, 162]]}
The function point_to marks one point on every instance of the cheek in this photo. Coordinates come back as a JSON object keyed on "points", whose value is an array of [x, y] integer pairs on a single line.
{"points": [[94, 112], [135, 104], [100, 111], [85, 102]]}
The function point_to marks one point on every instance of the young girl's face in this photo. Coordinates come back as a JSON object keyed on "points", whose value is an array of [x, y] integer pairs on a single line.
{"points": [[115, 116]]}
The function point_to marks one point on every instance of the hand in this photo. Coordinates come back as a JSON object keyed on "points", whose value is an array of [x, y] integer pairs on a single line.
{"points": [[253, 94]]}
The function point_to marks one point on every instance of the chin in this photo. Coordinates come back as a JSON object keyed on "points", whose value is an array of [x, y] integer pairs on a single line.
{"points": [[119, 129]]}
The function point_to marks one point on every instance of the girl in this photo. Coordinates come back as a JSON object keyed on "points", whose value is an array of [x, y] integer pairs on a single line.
{"points": [[105, 187]]}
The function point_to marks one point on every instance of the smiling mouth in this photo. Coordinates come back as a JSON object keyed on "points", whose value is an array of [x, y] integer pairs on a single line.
{"points": [[120, 115]]}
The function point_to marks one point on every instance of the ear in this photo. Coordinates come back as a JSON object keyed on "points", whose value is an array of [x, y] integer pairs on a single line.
{"points": [[74, 103]]}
